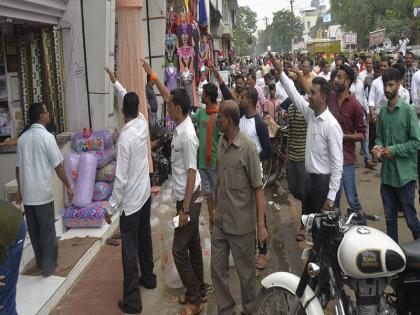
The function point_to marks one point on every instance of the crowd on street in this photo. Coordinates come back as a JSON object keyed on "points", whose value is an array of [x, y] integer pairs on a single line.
{"points": [[218, 153]]}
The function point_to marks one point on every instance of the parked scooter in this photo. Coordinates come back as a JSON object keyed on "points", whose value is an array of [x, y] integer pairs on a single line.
{"points": [[344, 253]]}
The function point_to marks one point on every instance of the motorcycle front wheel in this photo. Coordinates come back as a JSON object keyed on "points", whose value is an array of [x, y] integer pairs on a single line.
{"points": [[276, 301]]}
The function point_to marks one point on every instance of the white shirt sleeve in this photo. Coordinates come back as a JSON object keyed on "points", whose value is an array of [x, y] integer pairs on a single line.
{"points": [[280, 92], [404, 94], [121, 176], [361, 97], [415, 85], [297, 99], [120, 89], [53, 152], [335, 149], [189, 150], [373, 95]]}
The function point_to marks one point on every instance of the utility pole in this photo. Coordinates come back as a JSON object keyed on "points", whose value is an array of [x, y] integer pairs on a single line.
{"points": [[266, 22], [292, 25]]}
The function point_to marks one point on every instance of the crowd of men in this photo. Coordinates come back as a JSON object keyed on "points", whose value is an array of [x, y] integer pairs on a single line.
{"points": [[329, 108]]}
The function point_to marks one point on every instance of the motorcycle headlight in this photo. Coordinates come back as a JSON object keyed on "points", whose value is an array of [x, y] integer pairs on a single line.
{"points": [[309, 221]]}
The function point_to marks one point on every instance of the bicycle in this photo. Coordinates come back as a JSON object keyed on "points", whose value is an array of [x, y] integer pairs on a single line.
{"points": [[273, 167]]}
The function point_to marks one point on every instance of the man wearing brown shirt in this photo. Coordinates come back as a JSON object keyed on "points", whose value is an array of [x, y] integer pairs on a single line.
{"points": [[349, 114], [240, 201]]}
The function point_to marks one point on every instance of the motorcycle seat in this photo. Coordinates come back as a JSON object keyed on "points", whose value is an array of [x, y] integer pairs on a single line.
{"points": [[412, 253]]}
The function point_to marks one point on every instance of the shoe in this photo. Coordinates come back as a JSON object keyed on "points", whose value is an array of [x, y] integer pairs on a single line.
{"points": [[147, 285], [370, 164], [49, 273], [127, 309]]}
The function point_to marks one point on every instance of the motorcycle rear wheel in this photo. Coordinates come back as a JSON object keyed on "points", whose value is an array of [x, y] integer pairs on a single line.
{"points": [[276, 301]]}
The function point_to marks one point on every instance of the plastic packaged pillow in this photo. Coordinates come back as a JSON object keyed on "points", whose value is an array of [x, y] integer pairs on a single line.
{"points": [[102, 191], [93, 140], [104, 157], [93, 215], [71, 163], [106, 173], [83, 191]]}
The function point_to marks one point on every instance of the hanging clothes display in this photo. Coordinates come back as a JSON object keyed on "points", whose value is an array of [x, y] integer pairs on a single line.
{"points": [[170, 47], [171, 77], [186, 53], [194, 49]]}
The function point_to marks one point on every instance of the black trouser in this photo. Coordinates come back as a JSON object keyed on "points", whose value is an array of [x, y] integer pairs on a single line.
{"points": [[372, 135], [316, 191], [296, 176], [187, 253], [136, 248], [41, 228]]}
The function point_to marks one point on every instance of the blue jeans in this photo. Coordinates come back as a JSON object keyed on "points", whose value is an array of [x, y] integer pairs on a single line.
{"points": [[10, 269], [154, 118], [394, 197], [348, 181]]}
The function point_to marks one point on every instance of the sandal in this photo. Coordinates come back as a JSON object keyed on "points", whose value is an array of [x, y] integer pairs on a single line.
{"points": [[112, 241], [191, 309], [181, 299], [261, 262]]}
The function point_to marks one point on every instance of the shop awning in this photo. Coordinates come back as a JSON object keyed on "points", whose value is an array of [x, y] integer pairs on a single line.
{"points": [[41, 11]]}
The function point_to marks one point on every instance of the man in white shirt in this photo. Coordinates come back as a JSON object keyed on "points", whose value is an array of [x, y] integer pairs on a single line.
{"points": [[280, 91], [131, 197], [403, 44], [324, 143], [325, 70], [357, 89], [186, 247], [253, 126], [37, 157], [369, 69], [323, 153]]}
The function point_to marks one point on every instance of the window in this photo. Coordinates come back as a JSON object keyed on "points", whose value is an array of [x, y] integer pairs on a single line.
{"points": [[308, 24]]}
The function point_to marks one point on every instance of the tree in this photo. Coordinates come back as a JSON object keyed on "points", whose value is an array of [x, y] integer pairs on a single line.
{"points": [[264, 39], [282, 33], [363, 17], [246, 25]]}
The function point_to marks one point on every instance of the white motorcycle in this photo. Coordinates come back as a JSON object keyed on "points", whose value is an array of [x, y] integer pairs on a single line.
{"points": [[347, 255]]}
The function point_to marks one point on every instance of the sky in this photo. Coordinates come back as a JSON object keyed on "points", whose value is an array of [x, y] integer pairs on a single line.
{"points": [[265, 8]]}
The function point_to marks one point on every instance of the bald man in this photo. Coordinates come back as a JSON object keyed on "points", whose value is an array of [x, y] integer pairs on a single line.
{"points": [[240, 200]]}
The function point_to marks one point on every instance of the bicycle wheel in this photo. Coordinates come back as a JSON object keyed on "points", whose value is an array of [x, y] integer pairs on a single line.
{"points": [[276, 301], [267, 165]]}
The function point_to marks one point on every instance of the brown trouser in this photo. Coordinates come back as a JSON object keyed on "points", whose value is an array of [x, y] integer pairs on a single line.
{"points": [[186, 250], [243, 252]]}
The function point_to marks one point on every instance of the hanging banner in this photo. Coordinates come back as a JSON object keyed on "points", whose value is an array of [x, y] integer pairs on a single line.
{"points": [[377, 37], [350, 39]]}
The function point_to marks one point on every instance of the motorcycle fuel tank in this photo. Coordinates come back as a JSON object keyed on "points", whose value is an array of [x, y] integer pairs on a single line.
{"points": [[366, 252]]}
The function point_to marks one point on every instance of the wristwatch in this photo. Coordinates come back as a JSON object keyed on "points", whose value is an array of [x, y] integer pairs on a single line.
{"points": [[186, 210], [331, 203]]}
